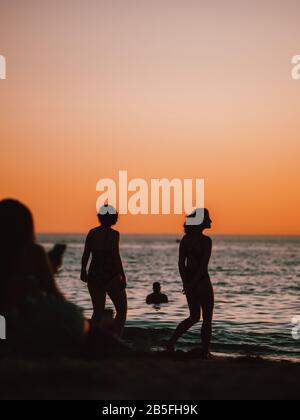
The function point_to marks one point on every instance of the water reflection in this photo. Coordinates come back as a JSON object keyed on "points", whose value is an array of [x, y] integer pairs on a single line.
{"points": [[256, 281]]}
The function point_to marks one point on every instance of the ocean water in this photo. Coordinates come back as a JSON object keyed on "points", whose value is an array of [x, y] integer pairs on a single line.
{"points": [[256, 281]]}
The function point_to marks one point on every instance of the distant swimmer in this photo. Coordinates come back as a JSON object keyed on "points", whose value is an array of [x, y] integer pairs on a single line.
{"points": [[157, 297]]}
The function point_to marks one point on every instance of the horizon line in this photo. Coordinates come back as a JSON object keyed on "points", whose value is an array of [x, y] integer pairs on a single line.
{"points": [[180, 234]]}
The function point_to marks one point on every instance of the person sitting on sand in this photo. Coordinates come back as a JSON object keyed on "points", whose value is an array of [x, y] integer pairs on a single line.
{"points": [[106, 274], [39, 319], [156, 298], [194, 255]]}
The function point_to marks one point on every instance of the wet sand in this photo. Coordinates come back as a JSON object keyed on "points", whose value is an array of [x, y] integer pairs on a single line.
{"points": [[150, 377]]}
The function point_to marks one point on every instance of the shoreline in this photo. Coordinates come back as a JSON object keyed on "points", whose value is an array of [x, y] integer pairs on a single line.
{"points": [[153, 376]]}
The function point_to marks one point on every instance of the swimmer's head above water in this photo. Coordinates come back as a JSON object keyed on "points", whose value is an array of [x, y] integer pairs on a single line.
{"points": [[156, 287]]}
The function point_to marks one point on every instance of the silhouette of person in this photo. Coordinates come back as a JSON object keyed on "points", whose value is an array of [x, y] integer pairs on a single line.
{"points": [[105, 275], [194, 255], [21, 259], [39, 319], [156, 298]]}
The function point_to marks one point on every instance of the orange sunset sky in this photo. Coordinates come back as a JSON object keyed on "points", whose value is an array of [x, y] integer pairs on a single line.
{"points": [[161, 88]]}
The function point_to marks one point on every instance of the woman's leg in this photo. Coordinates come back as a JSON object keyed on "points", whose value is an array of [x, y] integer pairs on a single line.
{"points": [[207, 306], [118, 296], [98, 296], [184, 326]]}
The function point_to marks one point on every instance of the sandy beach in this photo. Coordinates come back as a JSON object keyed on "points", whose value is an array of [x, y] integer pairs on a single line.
{"points": [[150, 377]]}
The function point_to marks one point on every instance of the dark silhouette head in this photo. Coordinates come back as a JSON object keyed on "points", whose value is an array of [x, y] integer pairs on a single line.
{"points": [[108, 216], [198, 228], [16, 234], [156, 287]]}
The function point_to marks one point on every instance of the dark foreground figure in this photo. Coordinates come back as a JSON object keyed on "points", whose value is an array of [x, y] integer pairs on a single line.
{"points": [[40, 321], [194, 255], [105, 275]]}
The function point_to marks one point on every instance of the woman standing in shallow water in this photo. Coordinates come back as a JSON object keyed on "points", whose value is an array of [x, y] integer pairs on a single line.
{"points": [[105, 275], [194, 255]]}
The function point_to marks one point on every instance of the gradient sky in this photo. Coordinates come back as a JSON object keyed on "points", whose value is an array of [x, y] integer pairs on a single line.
{"points": [[161, 88]]}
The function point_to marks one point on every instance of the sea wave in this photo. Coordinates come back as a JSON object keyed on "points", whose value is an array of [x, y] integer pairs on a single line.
{"points": [[251, 344]]}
